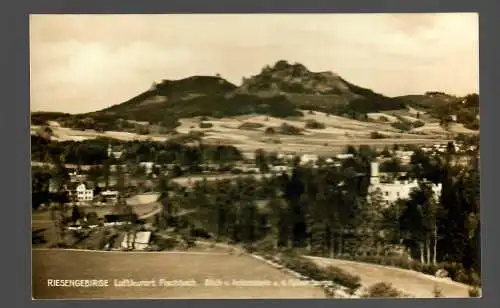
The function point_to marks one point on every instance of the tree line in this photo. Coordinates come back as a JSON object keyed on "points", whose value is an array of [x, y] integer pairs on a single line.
{"points": [[95, 151]]}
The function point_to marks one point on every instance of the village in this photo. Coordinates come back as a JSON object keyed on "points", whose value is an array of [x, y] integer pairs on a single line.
{"points": [[100, 201]]}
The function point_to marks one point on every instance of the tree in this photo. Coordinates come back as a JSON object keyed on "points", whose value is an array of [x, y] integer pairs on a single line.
{"points": [[76, 214], [176, 171], [167, 209], [420, 221], [95, 174], [40, 182], [261, 160], [120, 179], [386, 152], [106, 170]]}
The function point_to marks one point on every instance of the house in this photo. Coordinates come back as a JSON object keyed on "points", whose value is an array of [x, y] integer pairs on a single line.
{"points": [[393, 190], [80, 192], [114, 152], [109, 195], [308, 158], [344, 156], [148, 166]]}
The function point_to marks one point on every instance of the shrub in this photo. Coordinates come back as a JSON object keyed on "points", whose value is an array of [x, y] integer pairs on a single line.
{"points": [[313, 124], [308, 268], [473, 125], [266, 244], [270, 131], [250, 125], [474, 292], [250, 248], [417, 124], [165, 243], [474, 279], [456, 271], [376, 135], [437, 291], [287, 129], [382, 289], [342, 278], [429, 269], [404, 126], [205, 125]]}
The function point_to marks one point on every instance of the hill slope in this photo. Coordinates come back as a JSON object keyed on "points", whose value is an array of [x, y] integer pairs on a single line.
{"points": [[276, 91], [281, 90]]}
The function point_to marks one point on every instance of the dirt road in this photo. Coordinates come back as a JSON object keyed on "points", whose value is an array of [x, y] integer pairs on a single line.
{"points": [[410, 282]]}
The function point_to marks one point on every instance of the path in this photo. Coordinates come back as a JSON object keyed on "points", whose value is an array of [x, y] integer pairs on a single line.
{"points": [[410, 282]]}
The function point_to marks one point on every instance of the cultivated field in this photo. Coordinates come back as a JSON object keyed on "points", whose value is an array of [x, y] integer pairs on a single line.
{"points": [[70, 264], [338, 132], [410, 282]]}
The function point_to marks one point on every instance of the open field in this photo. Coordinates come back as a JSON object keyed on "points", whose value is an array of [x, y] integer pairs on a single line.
{"points": [[338, 132], [410, 282], [71, 264]]}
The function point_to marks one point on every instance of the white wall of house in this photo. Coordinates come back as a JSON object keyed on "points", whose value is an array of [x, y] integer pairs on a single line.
{"points": [[84, 194], [391, 192], [308, 158]]}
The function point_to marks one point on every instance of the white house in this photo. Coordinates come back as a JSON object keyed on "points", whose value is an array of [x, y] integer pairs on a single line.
{"points": [[392, 191], [308, 158], [112, 152], [344, 156], [110, 195], [148, 166], [83, 194]]}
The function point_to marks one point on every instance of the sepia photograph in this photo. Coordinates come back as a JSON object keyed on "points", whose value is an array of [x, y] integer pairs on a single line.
{"points": [[242, 156]]}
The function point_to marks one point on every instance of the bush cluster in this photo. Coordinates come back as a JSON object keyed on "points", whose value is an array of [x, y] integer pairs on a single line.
{"points": [[287, 129], [382, 289], [205, 125], [376, 135], [456, 271], [313, 124], [250, 125], [310, 269]]}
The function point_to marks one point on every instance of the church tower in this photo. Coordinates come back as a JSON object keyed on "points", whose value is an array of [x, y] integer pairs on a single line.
{"points": [[374, 176]]}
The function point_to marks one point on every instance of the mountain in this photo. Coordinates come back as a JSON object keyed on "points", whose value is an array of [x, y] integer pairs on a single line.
{"points": [[278, 91], [169, 91], [284, 77], [281, 90]]}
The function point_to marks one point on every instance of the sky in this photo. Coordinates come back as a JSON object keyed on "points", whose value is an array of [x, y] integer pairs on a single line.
{"points": [[83, 63]]}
